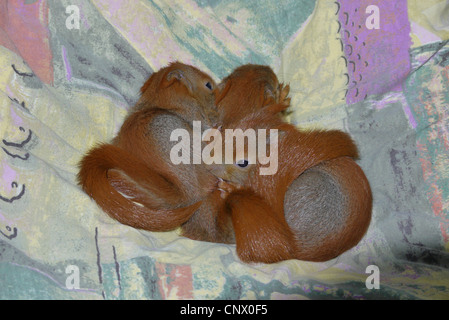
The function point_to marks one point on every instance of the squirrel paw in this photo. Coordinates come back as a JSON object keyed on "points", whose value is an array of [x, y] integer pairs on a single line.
{"points": [[283, 98], [226, 187]]}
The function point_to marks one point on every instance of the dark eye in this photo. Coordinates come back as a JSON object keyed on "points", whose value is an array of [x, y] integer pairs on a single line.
{"points": [[242, 163], [209, 85]]}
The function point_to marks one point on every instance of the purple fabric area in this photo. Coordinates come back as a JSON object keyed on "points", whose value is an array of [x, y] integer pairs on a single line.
{"points": [[375, 39]]}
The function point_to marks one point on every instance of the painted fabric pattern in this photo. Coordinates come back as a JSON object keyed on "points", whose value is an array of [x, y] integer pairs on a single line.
{"points": [[70, 70]]}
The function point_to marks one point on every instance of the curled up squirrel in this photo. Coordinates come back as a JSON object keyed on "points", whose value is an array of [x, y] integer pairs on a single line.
{"points": [[318, 203], [314, 206], [132, 178]]}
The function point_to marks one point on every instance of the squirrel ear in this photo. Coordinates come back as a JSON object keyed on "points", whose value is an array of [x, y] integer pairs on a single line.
{"points": [[173, 76], [269, 92]]}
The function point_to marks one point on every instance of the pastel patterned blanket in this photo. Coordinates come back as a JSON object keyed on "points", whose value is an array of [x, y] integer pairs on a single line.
{"points": [[69, 70]]}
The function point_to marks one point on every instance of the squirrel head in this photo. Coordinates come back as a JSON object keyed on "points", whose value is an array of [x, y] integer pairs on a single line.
{"points": [[248, 145], [184, 89], [247, 89]]}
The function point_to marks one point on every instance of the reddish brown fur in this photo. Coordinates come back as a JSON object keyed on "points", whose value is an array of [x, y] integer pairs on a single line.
{"points": [[132, 165], [357, 190], [248, 211], [247, 89], [260, 236], [256, 209], [298, 152], [93, 178]]}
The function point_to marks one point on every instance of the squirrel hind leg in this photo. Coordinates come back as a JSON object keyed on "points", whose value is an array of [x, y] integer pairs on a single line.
{"points": [[314, 205], [328, 208], [315, 210]]}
